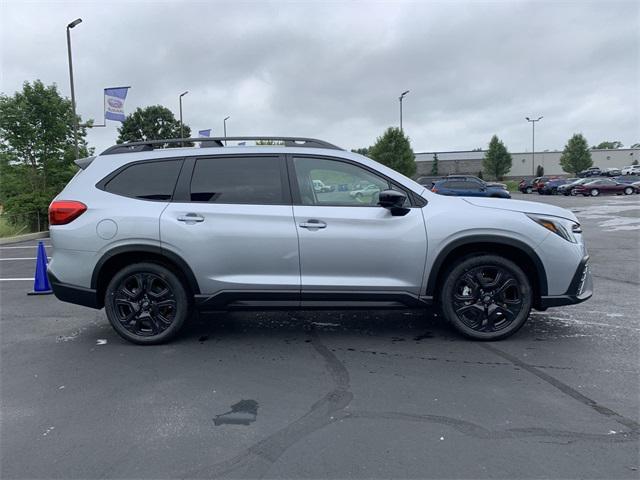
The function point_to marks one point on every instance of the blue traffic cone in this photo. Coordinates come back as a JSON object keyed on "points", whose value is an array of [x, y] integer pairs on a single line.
{"points": [[41, 284]]}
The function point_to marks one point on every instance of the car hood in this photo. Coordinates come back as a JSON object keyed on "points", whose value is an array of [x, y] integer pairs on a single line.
{"points": [[521, 206]]}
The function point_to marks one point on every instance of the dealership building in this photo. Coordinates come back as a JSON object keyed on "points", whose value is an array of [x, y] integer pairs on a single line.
{"points": [[470, 161]]}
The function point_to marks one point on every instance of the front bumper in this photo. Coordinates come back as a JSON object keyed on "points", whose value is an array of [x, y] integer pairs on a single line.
{"points": [[86, 297], [580, 288]]}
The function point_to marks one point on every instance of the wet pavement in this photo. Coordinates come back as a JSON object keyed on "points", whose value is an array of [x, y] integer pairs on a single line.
{"points": [[341, 394]]}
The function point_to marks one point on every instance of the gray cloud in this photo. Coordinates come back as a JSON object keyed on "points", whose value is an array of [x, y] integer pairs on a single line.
{"points": [[334, 70]]}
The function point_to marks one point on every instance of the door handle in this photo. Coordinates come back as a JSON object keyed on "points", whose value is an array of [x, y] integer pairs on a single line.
{"points": [[313, 224], [191, 217]]}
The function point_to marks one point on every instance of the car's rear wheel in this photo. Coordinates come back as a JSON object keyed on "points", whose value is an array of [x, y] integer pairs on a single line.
{"points": [[146, 303], [628, 191], [486, 297], [594, 192]]}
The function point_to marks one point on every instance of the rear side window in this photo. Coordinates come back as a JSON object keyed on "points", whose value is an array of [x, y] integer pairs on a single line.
{"points": [[146, 180], [238, 180]]}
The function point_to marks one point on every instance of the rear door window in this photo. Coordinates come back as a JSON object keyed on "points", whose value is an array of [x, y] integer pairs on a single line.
{"points": [[146, 180], [258, 180]]}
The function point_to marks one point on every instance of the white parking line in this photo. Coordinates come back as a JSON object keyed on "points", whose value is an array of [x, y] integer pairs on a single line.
{"points": [[26, 246], [21, 258], [16, 279]]}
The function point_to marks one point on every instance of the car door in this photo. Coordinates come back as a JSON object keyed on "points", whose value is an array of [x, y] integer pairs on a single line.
{"points": [[231, 220], [351, 248]]}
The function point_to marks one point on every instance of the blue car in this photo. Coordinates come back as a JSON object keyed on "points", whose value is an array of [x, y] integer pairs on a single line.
{"points": [[466, 188]]}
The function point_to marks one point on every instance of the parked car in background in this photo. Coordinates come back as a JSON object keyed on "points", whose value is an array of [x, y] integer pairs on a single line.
{"points": [[567, 188], [539, 182], [367, 191], [611, 172], [627, 178], [320, 187], [428, 181], [551, 187], [471, 178], [590, 172], [468, 188], [604, 186], [631, 170], [526, 186]]}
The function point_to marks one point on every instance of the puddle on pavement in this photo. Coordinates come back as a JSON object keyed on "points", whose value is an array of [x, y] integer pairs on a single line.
{"points": [[242, 413]]}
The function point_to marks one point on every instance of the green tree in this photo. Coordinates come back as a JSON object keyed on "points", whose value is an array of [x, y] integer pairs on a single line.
{"points": [[608, 145], [576, 155], [151, 123], [434, 165], [393, 149], [362, 151], [37, 148], [497, 160], [539, 171]]}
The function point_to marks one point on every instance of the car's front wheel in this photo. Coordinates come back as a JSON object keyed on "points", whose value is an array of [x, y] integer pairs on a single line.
{"points": [[594, 192], [529, 190], [628, 191], [486, 297], [146, 303]]}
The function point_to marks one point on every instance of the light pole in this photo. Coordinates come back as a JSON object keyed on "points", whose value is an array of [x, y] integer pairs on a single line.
{"points": [[225, 129], [400, 98], [73, 93], [181, 125], [533, 142]]}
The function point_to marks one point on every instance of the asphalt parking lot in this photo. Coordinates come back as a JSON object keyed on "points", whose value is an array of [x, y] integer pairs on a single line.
{"points": [[336, 394]]}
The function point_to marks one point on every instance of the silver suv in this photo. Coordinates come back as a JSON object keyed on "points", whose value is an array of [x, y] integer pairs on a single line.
{"points": [[151, 233]]}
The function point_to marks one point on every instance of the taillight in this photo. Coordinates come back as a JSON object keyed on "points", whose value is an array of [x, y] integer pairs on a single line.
{"points": [[434, 190], [62, 212]]}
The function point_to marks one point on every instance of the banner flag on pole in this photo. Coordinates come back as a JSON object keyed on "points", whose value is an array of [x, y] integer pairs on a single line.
{"points": [[114, 103], [204, 133]]}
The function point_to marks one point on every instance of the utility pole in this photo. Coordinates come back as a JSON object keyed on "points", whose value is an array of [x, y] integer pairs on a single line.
{"points": [[402, 95], [181, 124], [73, 92], [533, 142]]}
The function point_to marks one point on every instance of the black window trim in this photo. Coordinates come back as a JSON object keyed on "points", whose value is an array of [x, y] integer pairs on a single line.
{"points": [[183, 188], [102, 184], [416, 200]]}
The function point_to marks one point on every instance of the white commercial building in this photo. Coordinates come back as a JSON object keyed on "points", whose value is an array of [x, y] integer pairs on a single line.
{"points": [[470, 162]]}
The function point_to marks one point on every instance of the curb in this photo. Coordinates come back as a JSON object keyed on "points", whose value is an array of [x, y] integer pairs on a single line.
{"points": [[22, 238]]}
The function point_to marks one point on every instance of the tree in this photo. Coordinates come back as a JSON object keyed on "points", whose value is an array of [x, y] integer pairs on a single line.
{"points": [[434, 165], [37, 148], [576, 155], [497, 159], [362, 151], [393, 149], [151, 123], [539, 171], [608, 145], [635, 145]]}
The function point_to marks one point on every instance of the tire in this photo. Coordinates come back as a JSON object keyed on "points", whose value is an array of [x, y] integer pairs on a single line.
{"points": [[358, 195], [628, 191], [594, 192], [469, 291], [134, 293], [529, 190]]}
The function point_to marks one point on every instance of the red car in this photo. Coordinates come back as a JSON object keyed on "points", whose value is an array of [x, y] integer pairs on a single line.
{"points": [[540, 182], [603, 187]]}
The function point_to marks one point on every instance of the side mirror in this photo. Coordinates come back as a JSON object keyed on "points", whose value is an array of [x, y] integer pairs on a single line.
{"points": [[394, 201]]}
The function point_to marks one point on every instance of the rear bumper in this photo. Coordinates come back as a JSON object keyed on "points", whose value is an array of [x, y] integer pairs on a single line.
{"points": [[86, 297], [580, 288]]}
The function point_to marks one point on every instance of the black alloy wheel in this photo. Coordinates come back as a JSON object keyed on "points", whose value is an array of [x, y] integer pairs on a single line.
{"points": [[487, 297], [146, 303]]}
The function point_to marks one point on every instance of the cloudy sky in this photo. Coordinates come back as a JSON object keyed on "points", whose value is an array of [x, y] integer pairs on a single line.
{"points": [[334, 70]]}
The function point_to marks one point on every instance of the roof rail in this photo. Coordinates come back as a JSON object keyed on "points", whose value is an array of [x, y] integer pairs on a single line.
{"points": [[148, 145]]}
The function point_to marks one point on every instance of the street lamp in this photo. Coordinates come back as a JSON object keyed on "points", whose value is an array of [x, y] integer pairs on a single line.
{"points": [[73, 93], [181, 125], [225, 129], [400, 98], [533, 142]]}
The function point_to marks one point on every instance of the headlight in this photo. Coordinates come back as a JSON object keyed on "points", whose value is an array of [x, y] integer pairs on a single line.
{"points": [[559, 226]]}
